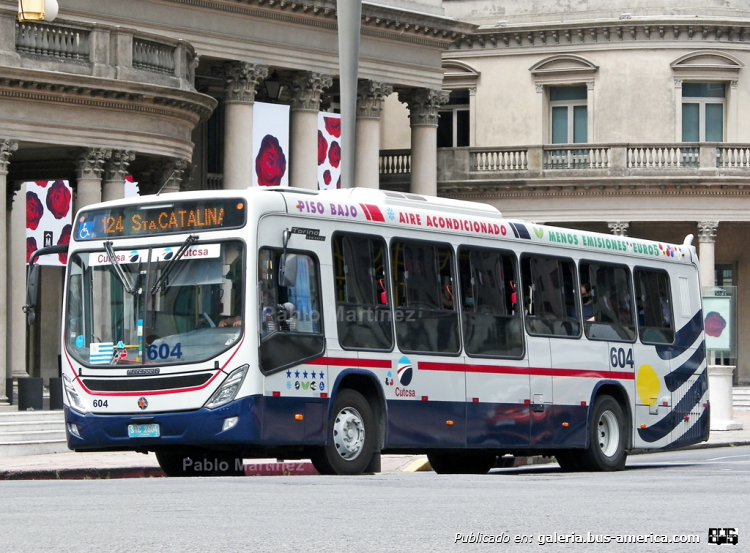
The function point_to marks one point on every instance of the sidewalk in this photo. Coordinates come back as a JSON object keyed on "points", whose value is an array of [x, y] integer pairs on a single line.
{"points": [[81, 466]]}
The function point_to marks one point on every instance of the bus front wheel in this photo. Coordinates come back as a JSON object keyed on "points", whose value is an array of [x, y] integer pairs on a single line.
{"points": [[351, 437], [607, 437]]}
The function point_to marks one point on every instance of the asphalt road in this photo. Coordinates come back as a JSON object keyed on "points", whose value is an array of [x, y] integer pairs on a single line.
{"points": [[681, 493]]}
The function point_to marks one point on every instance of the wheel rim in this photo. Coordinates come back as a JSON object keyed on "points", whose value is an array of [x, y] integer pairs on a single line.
{"points": [[349, 433], [608, 433]]}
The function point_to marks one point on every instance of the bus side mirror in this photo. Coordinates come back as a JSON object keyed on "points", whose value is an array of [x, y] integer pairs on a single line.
{"points": [[32, 288], [288, 270]]}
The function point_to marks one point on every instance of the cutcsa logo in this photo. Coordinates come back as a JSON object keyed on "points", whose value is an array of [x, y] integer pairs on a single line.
{"points": [[405, 371]]}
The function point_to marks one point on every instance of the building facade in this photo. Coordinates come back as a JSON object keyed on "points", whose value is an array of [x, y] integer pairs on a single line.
{"points": [[163, 91], [625, 116]]}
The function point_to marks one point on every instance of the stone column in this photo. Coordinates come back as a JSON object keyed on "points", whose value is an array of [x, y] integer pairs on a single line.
{"points": [[370, 97], [706, 241], [306, 87], [241, 82], [89, 176], [423, 115], [618, 228], [7, 147], [115, 171], [18, 328], [165, 176]]}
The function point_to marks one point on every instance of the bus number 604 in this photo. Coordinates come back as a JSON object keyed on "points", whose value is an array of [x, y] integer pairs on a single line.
{"points": [[620, 358]]}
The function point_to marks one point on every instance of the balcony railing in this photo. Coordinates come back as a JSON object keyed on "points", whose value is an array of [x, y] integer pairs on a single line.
{"points": [[576, 158], [663, 157], [608, 162], [59, 42], [395, 162], [733, 156], [98, 50]]}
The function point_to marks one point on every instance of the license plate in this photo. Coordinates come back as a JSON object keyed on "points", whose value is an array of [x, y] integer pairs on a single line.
{"points": [[143, 431]]}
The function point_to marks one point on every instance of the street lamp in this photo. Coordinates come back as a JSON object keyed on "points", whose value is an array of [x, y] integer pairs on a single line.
{"points": [[273, 86], [37, 10], [349, 23]]}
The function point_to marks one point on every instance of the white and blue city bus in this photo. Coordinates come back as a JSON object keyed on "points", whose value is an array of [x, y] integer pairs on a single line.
{"points": [[339, 325]]}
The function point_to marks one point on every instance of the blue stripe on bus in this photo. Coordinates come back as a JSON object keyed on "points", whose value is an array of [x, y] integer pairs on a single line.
{"points": [[520, 231], [689, 401], [681, 374], [684, 338]]}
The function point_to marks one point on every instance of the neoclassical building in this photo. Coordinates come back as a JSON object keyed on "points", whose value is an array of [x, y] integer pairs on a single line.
{"points": [[163, 90], [622, 116]]}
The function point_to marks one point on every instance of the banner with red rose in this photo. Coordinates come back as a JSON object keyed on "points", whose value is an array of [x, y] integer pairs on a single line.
{"points": [[270, 144], [49, 218], [718, 322], [329, 151]]}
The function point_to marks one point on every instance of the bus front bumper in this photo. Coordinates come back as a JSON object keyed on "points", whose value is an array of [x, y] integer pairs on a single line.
{"points": [[199, 428]]}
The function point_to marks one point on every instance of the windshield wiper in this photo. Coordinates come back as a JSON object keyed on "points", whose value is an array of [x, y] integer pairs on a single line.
{"points": [[189, 241], [118, 269]]}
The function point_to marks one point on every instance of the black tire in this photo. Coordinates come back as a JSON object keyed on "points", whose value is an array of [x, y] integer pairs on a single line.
{"points": [[461, 462], [199, 464], [608, 437], [177, 464], [351, 437], [570, 459]]}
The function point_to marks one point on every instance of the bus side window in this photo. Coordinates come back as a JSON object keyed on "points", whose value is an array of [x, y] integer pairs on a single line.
{"points": [[654, 305], [363, 316], [549, 285], [608, 309], [491, 326], [425, 311]]}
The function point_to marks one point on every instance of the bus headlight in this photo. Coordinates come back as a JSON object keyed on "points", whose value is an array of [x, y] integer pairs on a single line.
{"points": [[74, 400], [228, 389]]}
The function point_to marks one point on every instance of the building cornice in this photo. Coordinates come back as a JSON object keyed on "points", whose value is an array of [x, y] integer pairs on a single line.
{"points": [[377, 21], [705, 31]]}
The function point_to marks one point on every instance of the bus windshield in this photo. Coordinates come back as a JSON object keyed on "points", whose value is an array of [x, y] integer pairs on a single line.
{"points": [[153, 306]]}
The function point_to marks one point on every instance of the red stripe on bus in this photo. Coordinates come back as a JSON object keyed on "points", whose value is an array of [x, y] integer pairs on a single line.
{"points": [[376, 213], [534, 371], [352, 362], [366, 212]]}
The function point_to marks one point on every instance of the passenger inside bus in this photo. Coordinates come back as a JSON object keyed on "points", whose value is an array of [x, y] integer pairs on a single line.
{"points": [[587, 302]]}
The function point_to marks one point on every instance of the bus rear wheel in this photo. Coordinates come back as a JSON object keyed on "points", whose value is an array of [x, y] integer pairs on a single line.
{"points": [[461, 462], [351, 437], [607, 437]]}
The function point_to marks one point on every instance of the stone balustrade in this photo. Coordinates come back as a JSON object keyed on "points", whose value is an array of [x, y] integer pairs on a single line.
{"points": [[613, 164], [97, 50]]}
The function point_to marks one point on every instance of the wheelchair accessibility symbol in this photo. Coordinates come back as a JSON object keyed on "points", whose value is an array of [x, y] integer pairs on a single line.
{"points": [[84, 231]]}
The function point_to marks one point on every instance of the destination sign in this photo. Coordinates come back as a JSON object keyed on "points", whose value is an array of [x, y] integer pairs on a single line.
{"points": [[163, 218]]}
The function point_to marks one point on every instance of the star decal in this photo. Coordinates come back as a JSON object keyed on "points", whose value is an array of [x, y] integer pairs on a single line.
{"points": [[313, 375], [321, 374], [296, 374], [289, 374], [304, 374]]}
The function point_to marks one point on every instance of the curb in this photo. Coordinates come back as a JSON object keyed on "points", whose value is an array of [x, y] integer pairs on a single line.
{"points": [[83, 474]]}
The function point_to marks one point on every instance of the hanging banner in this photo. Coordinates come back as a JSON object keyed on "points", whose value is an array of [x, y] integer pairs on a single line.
{"points": [[270, 144], [48, 218], [329, 150], [717, 321], [131, 188]]}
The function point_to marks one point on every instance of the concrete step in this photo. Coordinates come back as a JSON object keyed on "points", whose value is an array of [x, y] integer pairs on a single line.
{"points": [[24, 426], [32, 433], [25, 436], [27, 416], [33, 448], [741, 398]]}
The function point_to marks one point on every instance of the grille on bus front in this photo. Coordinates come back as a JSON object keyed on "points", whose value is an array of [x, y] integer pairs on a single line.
{"points": [[146, 384]]}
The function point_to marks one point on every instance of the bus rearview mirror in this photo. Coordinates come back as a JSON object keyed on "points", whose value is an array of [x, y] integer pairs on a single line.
{"points": [[288, 270]]}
